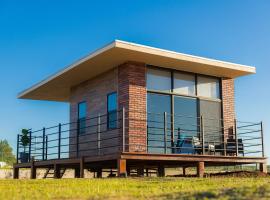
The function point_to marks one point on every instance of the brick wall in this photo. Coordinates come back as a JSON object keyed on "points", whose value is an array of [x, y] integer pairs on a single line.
{"points": [[132, 96], [228, 106], [94, 92]]}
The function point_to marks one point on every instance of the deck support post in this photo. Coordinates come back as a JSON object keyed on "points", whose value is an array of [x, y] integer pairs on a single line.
{"points": [[140, 171], [77, 172], [161, 171], [122, 168], [200, 169], [33, 174], [16, 172], [82, 167], [184, 171], [263, 168], [56, 171], [99, 173]]}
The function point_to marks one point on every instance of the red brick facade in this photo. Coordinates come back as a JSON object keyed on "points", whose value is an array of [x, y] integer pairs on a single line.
{"points": [[132, 96], [94, 92], [228, 106]]}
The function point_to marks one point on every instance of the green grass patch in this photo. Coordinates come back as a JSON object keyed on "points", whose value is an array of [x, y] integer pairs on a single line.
{"points": [[137, 188]]}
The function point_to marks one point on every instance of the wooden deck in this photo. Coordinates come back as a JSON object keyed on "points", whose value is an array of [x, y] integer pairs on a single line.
{"points": [[125, 161]]}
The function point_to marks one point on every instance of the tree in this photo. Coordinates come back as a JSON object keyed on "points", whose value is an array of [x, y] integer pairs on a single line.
{"points": [[6, 154]]}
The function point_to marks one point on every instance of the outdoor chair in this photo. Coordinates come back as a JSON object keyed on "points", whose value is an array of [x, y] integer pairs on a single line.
{"points": [[231, 146], [197, 146]]}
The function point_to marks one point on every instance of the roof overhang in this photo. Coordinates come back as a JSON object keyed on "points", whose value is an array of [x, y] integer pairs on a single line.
{"points": [[57, 87]]}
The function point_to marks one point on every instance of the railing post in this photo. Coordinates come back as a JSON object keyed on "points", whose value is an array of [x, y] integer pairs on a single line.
{"points": [[124, 129], [98, 134], [46, 152], [59, 140], [236, 136], [165, 132], [202, 134], [262, 139], [30, 145], [43, 143], [18, 144], [77, 138]]}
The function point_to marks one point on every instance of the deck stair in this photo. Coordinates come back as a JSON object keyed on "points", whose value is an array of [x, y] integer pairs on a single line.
{"points": [[50, 173]]}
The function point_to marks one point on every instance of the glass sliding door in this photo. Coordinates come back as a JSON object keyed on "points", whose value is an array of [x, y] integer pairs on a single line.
{"points": [[186, 124], [157, 104]]}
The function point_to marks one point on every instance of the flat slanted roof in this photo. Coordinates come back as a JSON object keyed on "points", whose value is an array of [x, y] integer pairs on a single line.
{"points": [[57, 87]]}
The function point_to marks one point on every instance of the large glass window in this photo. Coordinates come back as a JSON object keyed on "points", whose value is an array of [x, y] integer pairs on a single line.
{"points": [[185, 123], [157, 105], [208, 87], [82, 117], [158, 80], [211, 112], [112, 110], [184, 84]]}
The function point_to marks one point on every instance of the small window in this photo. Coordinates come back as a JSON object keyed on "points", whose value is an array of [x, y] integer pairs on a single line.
{"points": [[81, 117], [159, 80], [184, 84], [208, 87], [112, 110]]}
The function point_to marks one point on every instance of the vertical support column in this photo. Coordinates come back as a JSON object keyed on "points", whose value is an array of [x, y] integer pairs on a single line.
{"points": [[262, 139], [124, 128], [140, 171], [98, 134], [30, 145], [99, 173], [200, 169], [43, 143], [122, 168], [33, 173], [161, 171], [184, 171], [77, 172], [16, 172], [17, 152], [82, 167], [165, 132], [56, 171], [263, 168], [236, 137], [202, 135], [59, 140]]}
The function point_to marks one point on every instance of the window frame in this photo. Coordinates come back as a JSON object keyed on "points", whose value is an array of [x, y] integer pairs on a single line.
{"points": [[112, 112], [172, 71], [198, 98]]}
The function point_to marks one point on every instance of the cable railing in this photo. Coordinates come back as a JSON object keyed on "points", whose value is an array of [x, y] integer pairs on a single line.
{"points": [[133, 131]]}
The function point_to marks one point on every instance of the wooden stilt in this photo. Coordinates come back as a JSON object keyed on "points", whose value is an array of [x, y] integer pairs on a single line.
{"points": [[16, 173], [184, 171], [99, 173], [263, 168], [161, 171], [122, 168], [56, 171], [200, 169], [82, 168], [140, 171], [33, 174]]}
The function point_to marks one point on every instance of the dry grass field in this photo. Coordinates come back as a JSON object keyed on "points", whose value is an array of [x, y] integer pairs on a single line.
{"points": [[138, 188]]}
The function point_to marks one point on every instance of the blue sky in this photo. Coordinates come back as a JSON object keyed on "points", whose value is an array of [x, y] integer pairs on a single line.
{"points": [[38, 38]]}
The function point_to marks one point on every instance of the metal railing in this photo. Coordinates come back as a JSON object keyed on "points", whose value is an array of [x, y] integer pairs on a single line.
{"points": [[133, 131]]}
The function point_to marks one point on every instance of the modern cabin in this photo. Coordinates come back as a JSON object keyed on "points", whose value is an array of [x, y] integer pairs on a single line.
{"points": [[135, 107]]}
